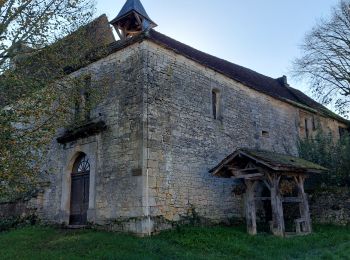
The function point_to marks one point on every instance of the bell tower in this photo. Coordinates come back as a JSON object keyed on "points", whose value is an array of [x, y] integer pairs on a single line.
{"points": [[132, 20]]}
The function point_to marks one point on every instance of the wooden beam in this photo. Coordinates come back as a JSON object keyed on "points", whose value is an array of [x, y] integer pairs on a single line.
{"points": [[292, 199], [248, 176], [278, 228], [119, 34], [138, 18], [262, 198], [249, 169], [242, 170], [267, 184], [304, 205], [250, 210]]}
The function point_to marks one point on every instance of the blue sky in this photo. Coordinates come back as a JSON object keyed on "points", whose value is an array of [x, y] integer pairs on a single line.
{"points": [[263, 35]]}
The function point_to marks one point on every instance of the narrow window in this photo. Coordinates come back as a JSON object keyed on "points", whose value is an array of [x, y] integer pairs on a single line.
{"points": [[314, 124], [86, 97], [82, 101], [343, 132], [216, 103], [265, 134], [306, 128]]}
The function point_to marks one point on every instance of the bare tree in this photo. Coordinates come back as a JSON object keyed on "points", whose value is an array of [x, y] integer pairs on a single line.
{"points": [[325, 61]]}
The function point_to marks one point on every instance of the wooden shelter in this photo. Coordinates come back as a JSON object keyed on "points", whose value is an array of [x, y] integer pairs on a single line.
{"points": [[272, 170]]}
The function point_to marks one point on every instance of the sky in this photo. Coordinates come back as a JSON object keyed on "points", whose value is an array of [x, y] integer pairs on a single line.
{"points": [[263, 35]]}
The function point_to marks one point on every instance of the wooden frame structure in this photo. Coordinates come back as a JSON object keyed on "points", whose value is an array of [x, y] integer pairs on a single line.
{"points": [[269, 169], [132, 20]]}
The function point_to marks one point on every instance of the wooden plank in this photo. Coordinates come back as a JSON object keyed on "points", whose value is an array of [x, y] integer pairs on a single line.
{"points": [[249, 169], [138, 18], [248, 176], [292, 199], [263, 198], [278, 228], [250, 207], [267, 184], [304, 205], [119, 34]]}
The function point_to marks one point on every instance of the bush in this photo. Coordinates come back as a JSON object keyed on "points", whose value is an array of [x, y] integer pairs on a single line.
{"points": [[334, 155], [14, 222]]}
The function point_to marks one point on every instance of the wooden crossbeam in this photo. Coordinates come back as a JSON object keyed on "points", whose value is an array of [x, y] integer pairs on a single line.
{"points": [[247, 176], [292, 200], [249, 169], [263, 198]]}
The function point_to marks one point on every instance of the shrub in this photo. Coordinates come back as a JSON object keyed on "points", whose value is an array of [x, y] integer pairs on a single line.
{"points": [[327, 152], [14, 222]]}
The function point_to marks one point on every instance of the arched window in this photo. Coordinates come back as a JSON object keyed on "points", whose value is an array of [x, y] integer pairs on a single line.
{"points": [[79, 202], [215, 103], [81, 165]]}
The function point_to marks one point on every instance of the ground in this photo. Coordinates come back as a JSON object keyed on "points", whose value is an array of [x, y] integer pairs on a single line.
{"points": [[327, 242]]}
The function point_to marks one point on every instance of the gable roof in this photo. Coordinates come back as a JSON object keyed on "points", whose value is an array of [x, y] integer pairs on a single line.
{"points": [[252, 79], [270, 86], [132, 6], [270, 160]]}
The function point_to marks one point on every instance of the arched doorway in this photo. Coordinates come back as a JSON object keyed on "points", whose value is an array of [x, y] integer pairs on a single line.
{"points": [[79, 201]]}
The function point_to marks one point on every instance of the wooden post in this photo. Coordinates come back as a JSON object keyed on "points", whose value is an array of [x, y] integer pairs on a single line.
{"points": [[250, 210], [278, 228], [304, 205]]}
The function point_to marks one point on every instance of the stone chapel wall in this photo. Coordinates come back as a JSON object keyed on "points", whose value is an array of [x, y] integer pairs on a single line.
{"points": [[116, 155], [161, 141], [185, 141]]}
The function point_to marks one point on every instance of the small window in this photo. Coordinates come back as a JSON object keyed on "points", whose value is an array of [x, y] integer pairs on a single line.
{"points": [[265, 134], [216, 103], [307, 128], [314, 127], [82, 102], [343, 132], [85, 97]]}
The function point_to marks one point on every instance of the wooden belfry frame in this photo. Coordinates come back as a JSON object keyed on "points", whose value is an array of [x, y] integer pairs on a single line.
{"points": [[267, 168]]}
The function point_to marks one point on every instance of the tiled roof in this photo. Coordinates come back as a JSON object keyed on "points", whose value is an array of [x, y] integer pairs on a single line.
{"points": [[130, 6], [270, 86], [252, 79], [271, 160]]}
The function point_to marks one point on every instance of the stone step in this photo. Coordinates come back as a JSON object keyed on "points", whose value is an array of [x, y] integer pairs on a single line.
{"points": [[76, 226]]}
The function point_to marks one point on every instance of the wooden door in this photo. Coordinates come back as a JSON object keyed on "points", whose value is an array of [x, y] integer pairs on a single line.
{"points": [[80, 192]]}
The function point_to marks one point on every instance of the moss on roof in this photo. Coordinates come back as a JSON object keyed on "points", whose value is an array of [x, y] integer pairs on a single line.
{"points": [[282, 161]]}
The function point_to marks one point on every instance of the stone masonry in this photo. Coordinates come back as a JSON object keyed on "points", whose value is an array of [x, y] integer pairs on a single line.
{"points": [[150, 168]]}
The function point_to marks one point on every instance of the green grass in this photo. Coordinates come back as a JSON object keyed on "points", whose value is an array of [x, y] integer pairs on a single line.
{"points": [[327, 242]]}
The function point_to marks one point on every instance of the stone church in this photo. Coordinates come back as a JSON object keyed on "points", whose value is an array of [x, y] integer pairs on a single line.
{"points": [[172, 114]]}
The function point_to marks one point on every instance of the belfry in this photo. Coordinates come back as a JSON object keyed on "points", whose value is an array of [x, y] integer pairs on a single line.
{"points": [[132, 20]]}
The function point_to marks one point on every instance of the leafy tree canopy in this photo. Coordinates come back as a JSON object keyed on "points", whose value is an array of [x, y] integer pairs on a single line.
{"points": [[38, 96]]}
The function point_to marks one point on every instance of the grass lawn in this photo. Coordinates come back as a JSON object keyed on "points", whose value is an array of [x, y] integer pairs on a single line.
{"points": [[327, 242]]}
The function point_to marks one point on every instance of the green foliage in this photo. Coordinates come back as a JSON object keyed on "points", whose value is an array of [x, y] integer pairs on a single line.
{"points": [[28, 128], [28, 25], [327, 242], [38, 97], [331, 154], [16, 222]]}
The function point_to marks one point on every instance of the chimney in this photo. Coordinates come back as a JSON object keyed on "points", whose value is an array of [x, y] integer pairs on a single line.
{"points": [[283, 81]]}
